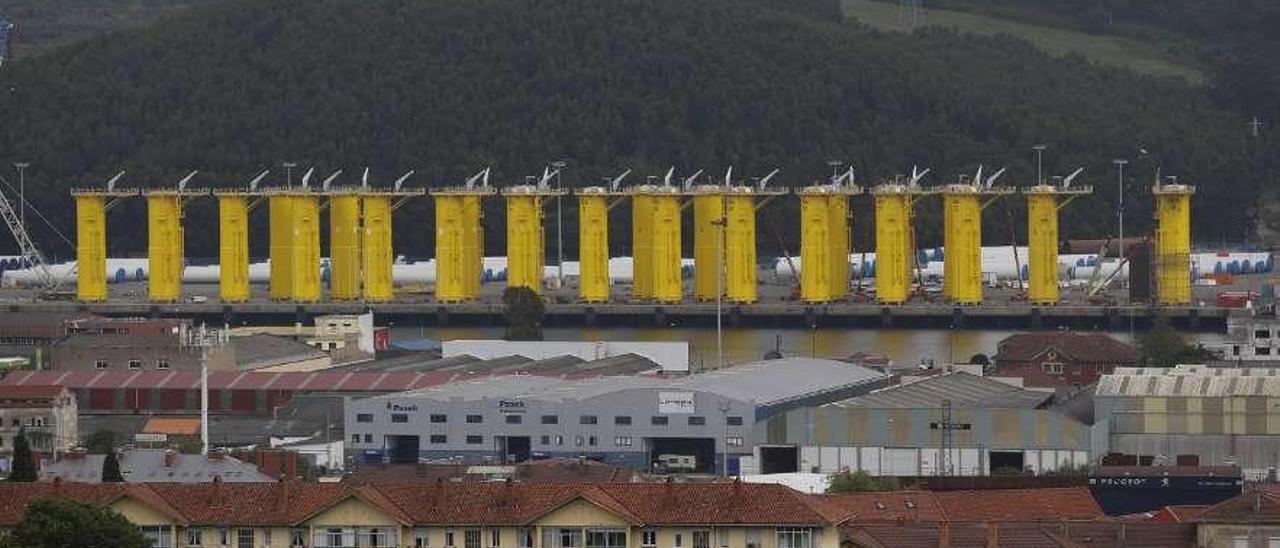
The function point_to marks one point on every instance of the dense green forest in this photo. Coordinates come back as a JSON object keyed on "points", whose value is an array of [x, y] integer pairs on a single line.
{"points": [[447, 88]]}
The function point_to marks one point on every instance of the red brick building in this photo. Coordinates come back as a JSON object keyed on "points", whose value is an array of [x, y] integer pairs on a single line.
{"points": [[1061, 358]]}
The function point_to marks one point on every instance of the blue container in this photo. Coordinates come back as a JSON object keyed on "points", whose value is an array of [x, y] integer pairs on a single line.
{"points": [[139, 274], [121, 275]]}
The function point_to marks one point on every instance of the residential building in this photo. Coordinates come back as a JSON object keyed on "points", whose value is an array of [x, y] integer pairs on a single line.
{"points": [[1061, 358], [696, 424], [464, 515], [47, 415], [1252, 341], [30, 334], [154, 466], [901, 431], [134, 345], [539, 471], [1250, 520]]}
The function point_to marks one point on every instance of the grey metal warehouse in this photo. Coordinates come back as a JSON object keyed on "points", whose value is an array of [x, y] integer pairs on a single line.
{"points": [[619, 420]]}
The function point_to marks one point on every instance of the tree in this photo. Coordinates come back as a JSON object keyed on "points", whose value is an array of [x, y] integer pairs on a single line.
{"points": [[111, 469], [1161, 346], [24, 464], [55, 523], [980, 359], [524, 313], [859, 482], [101, 442]]}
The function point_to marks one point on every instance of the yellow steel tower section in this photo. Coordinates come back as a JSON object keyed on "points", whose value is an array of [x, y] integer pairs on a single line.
{"points": [[460, 240], [708, 234], [526, 240], [376, 250], [280, 210], [166, 240], [344, 244], [593, 244], [838, 239], [233, 240], [824, 241], [962, 239], [1043, 203], [305, 247], [1173, 243], [91, 238], [642, 207], [667, 284], [895, 239]]}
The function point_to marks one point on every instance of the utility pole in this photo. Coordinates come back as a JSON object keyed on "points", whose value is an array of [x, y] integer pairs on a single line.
{"points": [[1039, 150], [559, 165], [720, 258], [205, 339], [1120, 162], [22, 192]]}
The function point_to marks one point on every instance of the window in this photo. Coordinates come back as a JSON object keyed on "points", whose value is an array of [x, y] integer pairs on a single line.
{"points": [[1261, 334], [474, 439], [550, 419], [368, 438], [495, 538], [587, 419], [224, 537], [545, 440], [364, 417], [100, 364], [376, 536], [355, 438], [471, 538], [577, 441], [1235, 350], [475, 419], [1052, 368], [753, 538], [244, 538], [678, 540], [1262, 351], [559, 440], [266, 537], [439, 438], [1240, 541], [515, 419], [697, 420], [622, 420], [448, 539], [733, 441], [622, 441], [436, 418], [399, 418], [606, 538], [794, 537], [524, 538], [591, 440], [658, 420], [648, 538], [297, 538], [162, 364], [158, 536], [335, 536], [723, 536], [1273, 542], [195, 537], [702, 539], [569, 538], [135, 365], [421, 538], [733, 421]]}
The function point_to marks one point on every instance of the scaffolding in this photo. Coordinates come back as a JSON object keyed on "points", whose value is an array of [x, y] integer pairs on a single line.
{"points": [[1173, 243], [1043, 205]]}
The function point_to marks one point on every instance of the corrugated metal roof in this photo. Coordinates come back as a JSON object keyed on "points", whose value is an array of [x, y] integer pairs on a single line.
{"points": [[963, 389], [1174, 384]]}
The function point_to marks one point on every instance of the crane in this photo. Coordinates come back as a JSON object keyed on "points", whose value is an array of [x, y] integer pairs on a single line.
{"points": [[33, 256]]}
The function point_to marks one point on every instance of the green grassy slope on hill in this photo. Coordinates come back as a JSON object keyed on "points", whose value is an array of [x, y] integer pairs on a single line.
{"points": [[448, 87], [1115, 51]]}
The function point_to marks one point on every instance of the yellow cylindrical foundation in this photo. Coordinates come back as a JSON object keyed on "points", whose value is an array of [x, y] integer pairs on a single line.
{"points": [[740, 249], [473, 244], [593, 248], [667, 285], [708, 210], [164, 247], [894, 254], [280, 209], [962, 266], [459, 257], [376, 251], [344, 247], [91, 248], [642, 207], [306, 249], [838, 241], [815, 248], [1042, 229], [1173, 244], [233, 249], [525, 241]]}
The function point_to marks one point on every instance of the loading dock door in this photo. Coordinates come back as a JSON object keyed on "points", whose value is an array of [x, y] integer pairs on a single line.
{"points": [[403, 449], [779, 459], [703, 450], [901, 462], [514, 449]]}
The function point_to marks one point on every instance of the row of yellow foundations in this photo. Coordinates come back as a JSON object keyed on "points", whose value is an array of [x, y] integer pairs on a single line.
{"points": [[459, 243], [824, 242], [1173, 243]]}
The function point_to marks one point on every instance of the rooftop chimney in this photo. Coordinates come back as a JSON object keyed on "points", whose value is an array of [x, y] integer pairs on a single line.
{"points": [[170, 458]]}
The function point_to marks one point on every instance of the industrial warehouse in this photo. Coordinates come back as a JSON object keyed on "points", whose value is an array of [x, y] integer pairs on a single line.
{"points": [[698, 423], [361, 268]]}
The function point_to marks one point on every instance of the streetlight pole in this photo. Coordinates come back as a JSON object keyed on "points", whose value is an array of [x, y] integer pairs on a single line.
{"points": [[22, 193], [288, 173], [1039, 150], [559, 165], [720, 225], [1120, 162]]}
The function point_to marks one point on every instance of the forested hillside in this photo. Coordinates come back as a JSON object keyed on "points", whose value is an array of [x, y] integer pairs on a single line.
{"points": [[449, 87]]}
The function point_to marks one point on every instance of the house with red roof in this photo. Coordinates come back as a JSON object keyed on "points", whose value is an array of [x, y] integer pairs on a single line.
{"points": [[45, 413], [1061, 358]]}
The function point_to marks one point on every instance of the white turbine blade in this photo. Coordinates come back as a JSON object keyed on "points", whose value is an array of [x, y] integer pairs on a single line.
{"points": [[688, 182], [617, 181], [1067, 182], [916, 176], [111, 183], [728, 176], [364, 178], [401, 180], [765, 180], [306, 178], [327, 180], [485, 181], [977, 177], [992, 179], [182, 185], [666, 180], [253, 184]]}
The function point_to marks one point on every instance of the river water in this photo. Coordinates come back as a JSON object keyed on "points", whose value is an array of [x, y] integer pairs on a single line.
{"points": [[903, 346]]}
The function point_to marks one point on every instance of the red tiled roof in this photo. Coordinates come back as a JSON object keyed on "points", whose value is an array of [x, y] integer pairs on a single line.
{"points": [[1084, 347], [222, 503], [1259, 506], [886, 506], [31, 391], [1178, 514], [226, 380], [1048, 504], [1064, 534], [15, 497]]}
